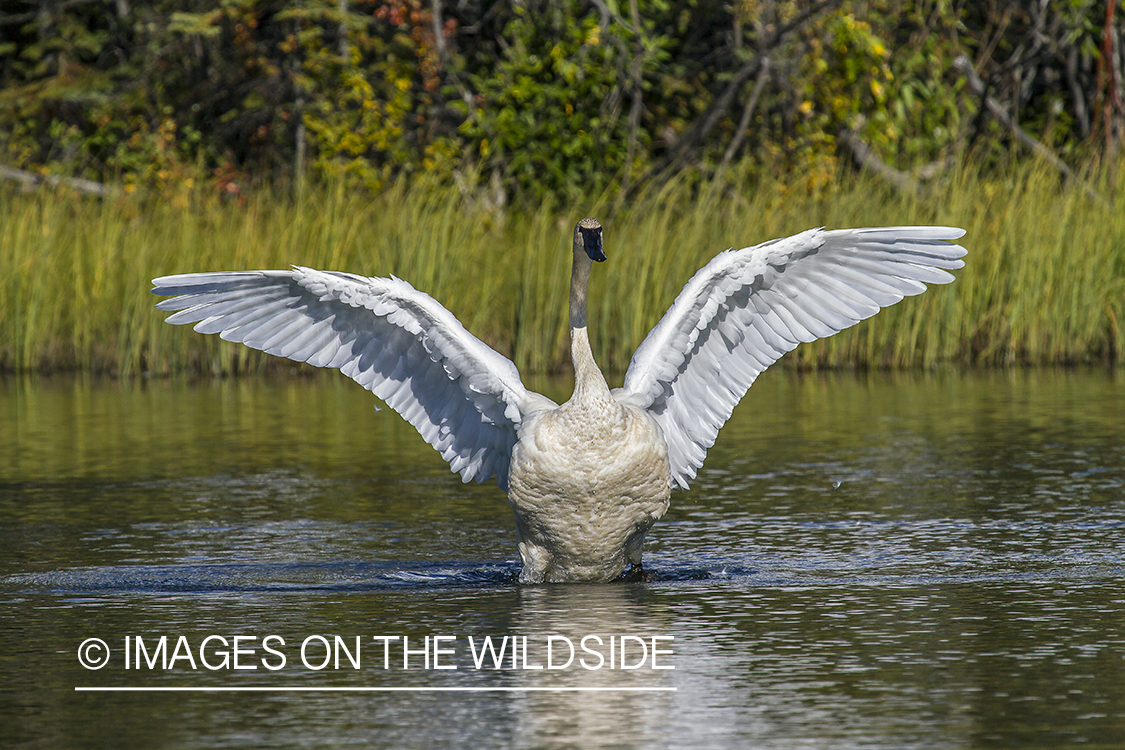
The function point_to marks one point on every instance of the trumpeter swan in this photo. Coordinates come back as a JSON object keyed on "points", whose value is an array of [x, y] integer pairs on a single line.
{"points": [[588, 478]]}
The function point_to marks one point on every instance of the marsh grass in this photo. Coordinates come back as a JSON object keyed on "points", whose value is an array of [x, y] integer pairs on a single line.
{"points": [[1044, 280]]}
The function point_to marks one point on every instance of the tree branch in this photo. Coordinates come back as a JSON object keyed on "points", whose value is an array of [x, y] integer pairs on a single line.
{"points": [[747, 113], [867, 159], [976, 85], [722, 104], [30, 181]]}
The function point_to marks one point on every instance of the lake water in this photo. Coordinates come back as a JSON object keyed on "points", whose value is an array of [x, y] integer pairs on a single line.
{"points": [[866, 561]]}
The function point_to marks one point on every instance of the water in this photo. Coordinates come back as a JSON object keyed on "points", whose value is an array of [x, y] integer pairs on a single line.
{"points": [[877, 561]]}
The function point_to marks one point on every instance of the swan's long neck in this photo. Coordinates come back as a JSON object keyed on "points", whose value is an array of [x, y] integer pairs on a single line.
{"points": [[579, 282], [589, 383]]}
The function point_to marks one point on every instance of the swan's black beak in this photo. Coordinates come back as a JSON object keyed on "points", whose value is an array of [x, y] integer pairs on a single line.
{"points": [[592, 242]]}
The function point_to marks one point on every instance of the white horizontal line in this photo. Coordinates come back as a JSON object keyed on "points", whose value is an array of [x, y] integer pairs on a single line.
{"points": [[361, 689]]}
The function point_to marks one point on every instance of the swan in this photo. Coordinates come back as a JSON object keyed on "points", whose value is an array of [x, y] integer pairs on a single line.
{"points": [[586, 479]]}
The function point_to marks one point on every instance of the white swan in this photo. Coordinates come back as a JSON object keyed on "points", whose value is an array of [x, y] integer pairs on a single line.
{"points": [[586, 479]]}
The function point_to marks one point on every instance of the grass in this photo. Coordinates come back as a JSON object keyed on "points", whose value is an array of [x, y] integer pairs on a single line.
{"points": [[1044, 280]]}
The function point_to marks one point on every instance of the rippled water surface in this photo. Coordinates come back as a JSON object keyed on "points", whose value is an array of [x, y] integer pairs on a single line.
{"points": [[887, 561]]}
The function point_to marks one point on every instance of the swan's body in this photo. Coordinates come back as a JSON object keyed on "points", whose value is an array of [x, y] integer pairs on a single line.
{"points": [[583, 505], [588, 478]]}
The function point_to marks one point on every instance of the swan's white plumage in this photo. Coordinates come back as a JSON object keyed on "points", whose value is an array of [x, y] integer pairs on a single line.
{"points": [[746, 308], [464, 398], [582, 499]]}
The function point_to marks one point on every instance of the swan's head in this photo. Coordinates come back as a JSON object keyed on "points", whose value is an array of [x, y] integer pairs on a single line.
{"points": [[588, 236]]}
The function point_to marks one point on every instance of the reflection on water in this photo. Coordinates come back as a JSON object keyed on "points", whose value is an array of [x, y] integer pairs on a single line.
{"points": [[865, 561]]}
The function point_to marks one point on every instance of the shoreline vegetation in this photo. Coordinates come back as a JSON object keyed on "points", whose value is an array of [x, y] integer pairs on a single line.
{"points": [[455, 145], [1044, 281]]}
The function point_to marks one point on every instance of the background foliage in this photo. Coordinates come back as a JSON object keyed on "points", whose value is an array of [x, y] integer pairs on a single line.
{"points": [[545, 97], [453, 143]]}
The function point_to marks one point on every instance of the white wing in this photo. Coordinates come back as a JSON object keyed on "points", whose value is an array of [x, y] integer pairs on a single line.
{"points": [[401, 344], [746, 308]]}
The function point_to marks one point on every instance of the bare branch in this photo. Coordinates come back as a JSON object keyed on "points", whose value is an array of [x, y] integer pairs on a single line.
{"points": [[867, 159], [747, 113], [31, 181], [722, 104], [976, 85]]}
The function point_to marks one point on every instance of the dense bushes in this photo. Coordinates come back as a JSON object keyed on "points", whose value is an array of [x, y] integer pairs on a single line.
{"points": [[544, 96]]}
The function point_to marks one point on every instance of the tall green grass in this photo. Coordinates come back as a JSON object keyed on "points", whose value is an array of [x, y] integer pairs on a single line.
{"points": [[1044, 280]]}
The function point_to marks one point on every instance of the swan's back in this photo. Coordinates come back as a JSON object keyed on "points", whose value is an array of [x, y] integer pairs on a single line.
{"points": [[587, 481]]}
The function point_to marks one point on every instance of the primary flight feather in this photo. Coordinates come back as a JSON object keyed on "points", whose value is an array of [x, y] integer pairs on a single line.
{"points": [[588, 478]]}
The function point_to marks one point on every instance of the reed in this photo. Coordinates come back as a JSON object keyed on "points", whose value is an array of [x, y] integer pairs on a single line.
{"points": [[1044, 280]]}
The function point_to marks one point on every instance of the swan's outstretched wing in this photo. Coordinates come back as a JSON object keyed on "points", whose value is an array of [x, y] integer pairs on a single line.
{"points": [[746, 308], [401, 344]]}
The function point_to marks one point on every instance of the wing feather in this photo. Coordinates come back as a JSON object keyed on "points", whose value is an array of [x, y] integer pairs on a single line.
{"points": [[465, 399], [746, 308]]}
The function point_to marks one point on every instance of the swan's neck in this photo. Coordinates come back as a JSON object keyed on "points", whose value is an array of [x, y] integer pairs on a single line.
{"points": [[579, 282], [589, 383]]}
